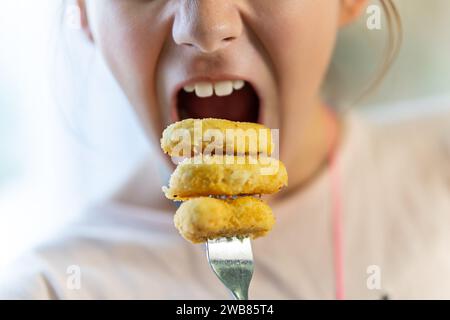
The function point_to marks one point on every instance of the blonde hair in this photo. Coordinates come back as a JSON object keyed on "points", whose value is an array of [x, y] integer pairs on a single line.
{"points": [[394, 42]]}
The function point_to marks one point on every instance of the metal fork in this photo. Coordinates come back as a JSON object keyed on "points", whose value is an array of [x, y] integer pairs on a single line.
{"points": [[232, 261]]}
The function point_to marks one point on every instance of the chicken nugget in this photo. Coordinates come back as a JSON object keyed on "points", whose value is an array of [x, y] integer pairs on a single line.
{"points": [[205, 218], [194, 136], [227, 175]]}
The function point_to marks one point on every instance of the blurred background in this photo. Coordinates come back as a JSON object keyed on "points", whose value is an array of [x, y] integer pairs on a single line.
{"points": [[54, 91]]}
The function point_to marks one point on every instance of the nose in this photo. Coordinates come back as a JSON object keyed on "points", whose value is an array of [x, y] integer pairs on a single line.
{"points": [[207, 25]]}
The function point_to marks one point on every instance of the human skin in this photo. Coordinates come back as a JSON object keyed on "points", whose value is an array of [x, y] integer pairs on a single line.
{"points": [[282, 47]]}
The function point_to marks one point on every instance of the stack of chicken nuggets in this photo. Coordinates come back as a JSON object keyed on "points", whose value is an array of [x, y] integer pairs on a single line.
{"points": [[218, 190]]}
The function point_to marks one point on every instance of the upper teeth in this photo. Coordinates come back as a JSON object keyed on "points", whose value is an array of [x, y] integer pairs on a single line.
{"points": [[221, 89]]}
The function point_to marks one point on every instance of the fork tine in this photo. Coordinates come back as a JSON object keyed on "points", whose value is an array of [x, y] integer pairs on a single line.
{"points": [[232, 261]]}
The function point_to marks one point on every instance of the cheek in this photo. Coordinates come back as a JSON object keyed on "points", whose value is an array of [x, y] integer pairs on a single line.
{"points": [[301, 41], [130, 44]]}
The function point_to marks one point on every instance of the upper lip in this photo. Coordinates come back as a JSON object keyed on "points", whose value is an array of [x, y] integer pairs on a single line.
{"points": [[210, 78]]}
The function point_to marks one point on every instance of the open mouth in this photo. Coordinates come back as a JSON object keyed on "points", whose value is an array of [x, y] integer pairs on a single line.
{"points": [[231, 100]]}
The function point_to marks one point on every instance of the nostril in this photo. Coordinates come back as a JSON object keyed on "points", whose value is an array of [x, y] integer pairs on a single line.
{"points": [[225, 41]]}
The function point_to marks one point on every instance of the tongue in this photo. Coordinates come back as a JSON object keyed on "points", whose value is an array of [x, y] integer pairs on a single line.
{"points": [[241, 105]]}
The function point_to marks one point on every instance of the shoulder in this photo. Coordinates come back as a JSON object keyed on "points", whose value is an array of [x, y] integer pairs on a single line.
{"points": [[432, 129], [410, 157], [399, 195], [414, 149], [400, 174]]}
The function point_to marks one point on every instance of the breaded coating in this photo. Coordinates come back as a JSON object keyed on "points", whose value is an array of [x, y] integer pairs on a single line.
{"points": [[217, 175], [226, 162], [205, 139], [205, 218]]}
